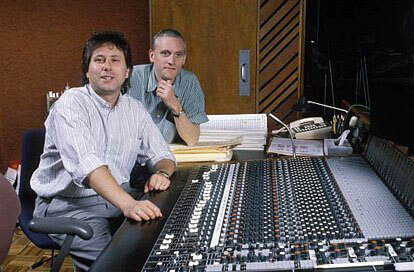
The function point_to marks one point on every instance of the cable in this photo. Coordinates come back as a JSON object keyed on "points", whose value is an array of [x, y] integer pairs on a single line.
{"points": [[290, 133]]}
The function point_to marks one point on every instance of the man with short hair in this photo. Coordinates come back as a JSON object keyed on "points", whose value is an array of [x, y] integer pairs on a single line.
{"points": [[94, 136], [172, 95]]}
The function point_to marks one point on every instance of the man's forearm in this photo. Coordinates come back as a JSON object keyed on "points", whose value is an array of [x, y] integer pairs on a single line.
{"points": [[165, 165], [188, 131], [102, 182]]}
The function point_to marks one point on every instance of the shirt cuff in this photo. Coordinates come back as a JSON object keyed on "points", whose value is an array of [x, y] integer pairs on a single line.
{"points": [[86, 165], [198, 118]]}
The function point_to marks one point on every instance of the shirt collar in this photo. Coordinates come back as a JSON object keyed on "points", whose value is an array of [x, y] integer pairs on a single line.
{"points": [[99, 100], [152, 81]]}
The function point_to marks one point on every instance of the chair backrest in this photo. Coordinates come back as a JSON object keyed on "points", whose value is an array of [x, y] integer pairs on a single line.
{"points": [[32, 148], [9, 211]]}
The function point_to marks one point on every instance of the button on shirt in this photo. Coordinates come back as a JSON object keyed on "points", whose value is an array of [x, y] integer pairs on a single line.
{"points": [[83, 132], [187, 89]]}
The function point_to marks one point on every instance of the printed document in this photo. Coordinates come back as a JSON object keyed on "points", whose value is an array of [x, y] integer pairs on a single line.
{"points": [[283, 146]]}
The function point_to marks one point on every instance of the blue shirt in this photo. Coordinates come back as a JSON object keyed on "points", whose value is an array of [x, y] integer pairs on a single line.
{"points": [[187, 89]]}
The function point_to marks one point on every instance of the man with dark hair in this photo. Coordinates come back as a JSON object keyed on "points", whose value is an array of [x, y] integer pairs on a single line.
{"points": [[94, 136], [118, 40], [172, 95]]}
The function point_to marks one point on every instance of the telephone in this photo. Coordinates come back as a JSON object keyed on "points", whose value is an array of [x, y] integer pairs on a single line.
{"points": [[311, 128]]}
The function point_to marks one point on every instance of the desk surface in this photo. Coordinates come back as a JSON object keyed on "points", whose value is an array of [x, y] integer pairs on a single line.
{"points": [[133, 242]]}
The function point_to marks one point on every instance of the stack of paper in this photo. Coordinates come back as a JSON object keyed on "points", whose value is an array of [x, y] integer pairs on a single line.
{"points": [[205, 151], [253, 128]]}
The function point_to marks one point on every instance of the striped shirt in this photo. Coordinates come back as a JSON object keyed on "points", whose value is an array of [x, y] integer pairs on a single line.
{"points": [[83, 132], [187, 89]]}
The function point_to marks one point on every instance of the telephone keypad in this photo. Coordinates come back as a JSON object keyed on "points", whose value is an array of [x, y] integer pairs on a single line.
{"points": [[310, 126]]}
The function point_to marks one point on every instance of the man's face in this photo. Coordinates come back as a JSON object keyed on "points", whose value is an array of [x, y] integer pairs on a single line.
{"points": [[107, 69], [168, 57]]}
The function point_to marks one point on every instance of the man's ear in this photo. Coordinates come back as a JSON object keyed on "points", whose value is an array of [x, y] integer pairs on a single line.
{"points": [[185, 56], [151, 55], [127, 73]]}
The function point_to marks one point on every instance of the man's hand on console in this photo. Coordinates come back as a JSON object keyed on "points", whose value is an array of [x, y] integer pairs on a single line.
{"points": [[158, 181], [142, 210]]}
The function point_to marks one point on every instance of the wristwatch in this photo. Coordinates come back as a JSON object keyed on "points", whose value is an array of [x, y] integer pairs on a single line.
{"points": [[178, 113], [163, 173]]}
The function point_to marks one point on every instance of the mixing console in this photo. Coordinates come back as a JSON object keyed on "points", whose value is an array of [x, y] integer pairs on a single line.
{"points": [[288, 214]]}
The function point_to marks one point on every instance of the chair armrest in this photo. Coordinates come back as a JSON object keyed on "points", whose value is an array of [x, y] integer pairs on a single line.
{"points": [[61, 225]]}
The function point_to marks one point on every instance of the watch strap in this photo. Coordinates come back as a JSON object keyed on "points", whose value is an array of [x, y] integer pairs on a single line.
{"points": [[163, 173], [178, 113]]}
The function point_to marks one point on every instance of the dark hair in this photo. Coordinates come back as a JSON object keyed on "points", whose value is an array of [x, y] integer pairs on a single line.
{"points": [[168, 32], [96, 40]]}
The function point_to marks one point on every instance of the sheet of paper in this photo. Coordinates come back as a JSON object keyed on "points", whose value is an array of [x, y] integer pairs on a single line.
{"points": [[250, 147], [283, 146], [235, 122]]}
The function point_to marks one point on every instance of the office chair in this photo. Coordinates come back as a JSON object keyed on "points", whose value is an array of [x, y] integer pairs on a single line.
{"points": [[37, 229], [9, 211]]}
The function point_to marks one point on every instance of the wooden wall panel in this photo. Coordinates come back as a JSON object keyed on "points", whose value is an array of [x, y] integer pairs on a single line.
{"points": [[281, 37], [215, 30], [287, 88], [275, 65], [283, 11], [273, 84], [42, 49], [267, 11], [274, 45]]}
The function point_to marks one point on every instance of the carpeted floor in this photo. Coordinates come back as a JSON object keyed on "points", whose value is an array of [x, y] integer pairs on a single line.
{"points": [[23, 254]]}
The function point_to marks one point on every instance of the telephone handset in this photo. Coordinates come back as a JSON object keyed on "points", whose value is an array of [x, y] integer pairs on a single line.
{"points": [[311, 128]]}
